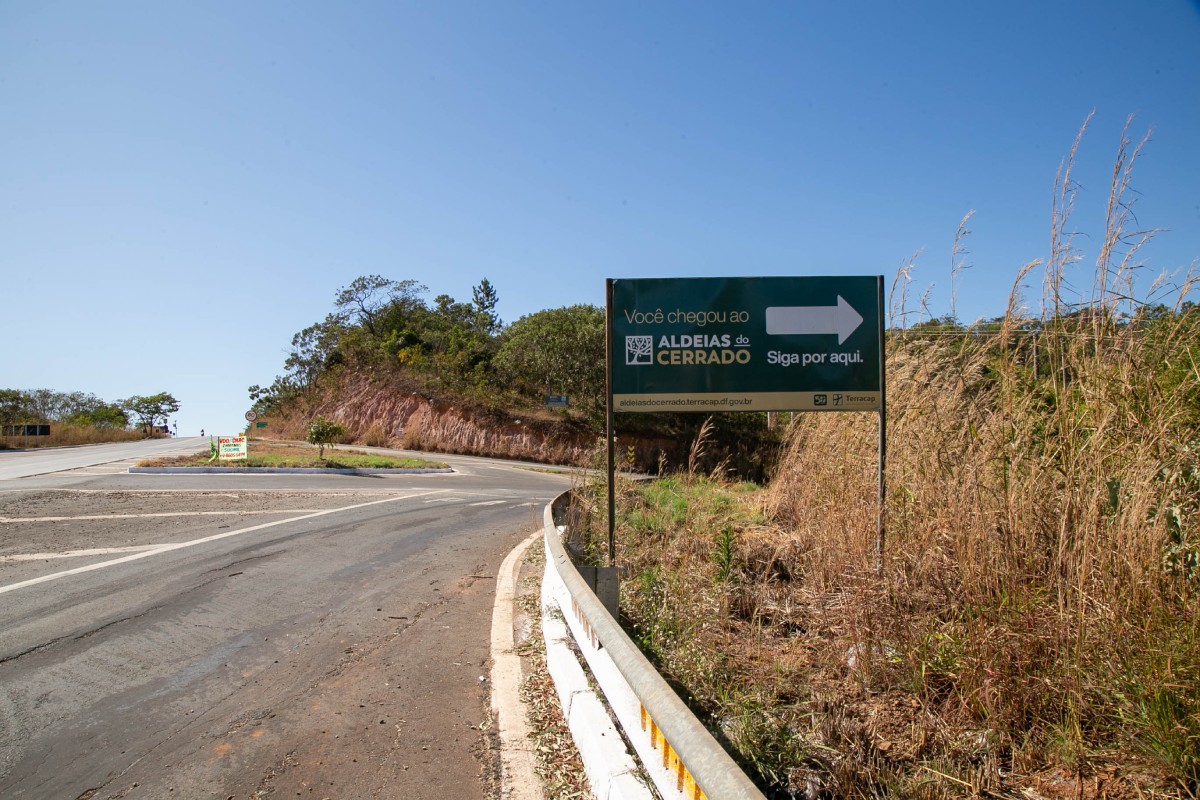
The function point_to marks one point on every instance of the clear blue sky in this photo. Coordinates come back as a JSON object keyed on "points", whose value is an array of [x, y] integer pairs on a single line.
{"points": [[183, 186]]}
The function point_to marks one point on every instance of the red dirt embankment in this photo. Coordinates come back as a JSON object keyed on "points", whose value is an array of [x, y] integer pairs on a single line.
{"points": [[382, 415]]}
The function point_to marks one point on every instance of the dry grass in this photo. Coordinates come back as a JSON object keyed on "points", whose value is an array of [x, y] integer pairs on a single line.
{"points": [[63, 435], [1039, 586], [1033, 629]]}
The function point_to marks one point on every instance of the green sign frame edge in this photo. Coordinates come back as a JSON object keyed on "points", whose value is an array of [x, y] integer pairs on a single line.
{"points": [[707, 344]]}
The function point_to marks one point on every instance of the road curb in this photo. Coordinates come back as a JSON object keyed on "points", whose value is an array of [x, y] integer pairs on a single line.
{"points": [[518, 779], [284, 471]]}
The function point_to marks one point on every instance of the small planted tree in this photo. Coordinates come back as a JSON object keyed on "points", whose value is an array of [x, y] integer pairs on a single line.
{"points": [[322, 432]]}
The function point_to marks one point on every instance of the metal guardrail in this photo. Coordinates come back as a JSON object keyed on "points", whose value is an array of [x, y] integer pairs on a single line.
{"points": [[699, 765]]}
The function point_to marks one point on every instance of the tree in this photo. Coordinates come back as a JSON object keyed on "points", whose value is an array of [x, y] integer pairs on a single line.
{"points": [[485, 298], [148, 410], [14, 406], [452, 340], [560, 351], [322, 432], [84, 408], [314, 349], [272, 399], [106, 416], [370, 298], [47, 405]]}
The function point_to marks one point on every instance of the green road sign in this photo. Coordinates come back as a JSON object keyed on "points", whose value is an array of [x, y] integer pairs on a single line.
{"points": [[746, 344]]}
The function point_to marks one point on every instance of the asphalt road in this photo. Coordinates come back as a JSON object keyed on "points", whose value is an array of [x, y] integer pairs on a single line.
{"points": [[25, 463], [250, 636]]}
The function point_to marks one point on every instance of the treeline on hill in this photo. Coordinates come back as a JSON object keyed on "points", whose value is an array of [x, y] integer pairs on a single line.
{"points": [[82, 417], [449, 348], [462, 353]]}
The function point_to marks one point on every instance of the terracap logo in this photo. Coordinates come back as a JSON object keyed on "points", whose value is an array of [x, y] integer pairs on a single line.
{"points": [[639, 350]]}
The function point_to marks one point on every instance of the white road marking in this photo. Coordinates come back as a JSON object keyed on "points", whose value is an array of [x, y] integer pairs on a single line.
{"points": [[98, 551], [181, 545], [490, 503], [159, 514], [213, 492]]}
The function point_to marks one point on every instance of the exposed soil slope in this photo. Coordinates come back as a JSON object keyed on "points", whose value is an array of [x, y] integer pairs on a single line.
{"points": [[387, 415]]}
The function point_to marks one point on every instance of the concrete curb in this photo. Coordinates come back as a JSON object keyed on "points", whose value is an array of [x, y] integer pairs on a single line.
{"points": [[518, 773], [283, 471]]}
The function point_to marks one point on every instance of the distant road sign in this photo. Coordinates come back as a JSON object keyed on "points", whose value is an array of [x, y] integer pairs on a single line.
{"points": [[746, 344], [556, 400], [260, 424], [251, 415], [26, 430]]}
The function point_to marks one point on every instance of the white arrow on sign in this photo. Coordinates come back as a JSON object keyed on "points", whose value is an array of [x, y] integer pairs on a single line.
{"points": [[841, 319]]}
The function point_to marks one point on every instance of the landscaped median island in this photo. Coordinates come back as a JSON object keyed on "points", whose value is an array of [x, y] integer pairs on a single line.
{"points": [[278, 455]]}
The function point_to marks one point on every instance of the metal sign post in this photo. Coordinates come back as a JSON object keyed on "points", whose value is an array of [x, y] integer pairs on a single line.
{"points": [[610, 429]]}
